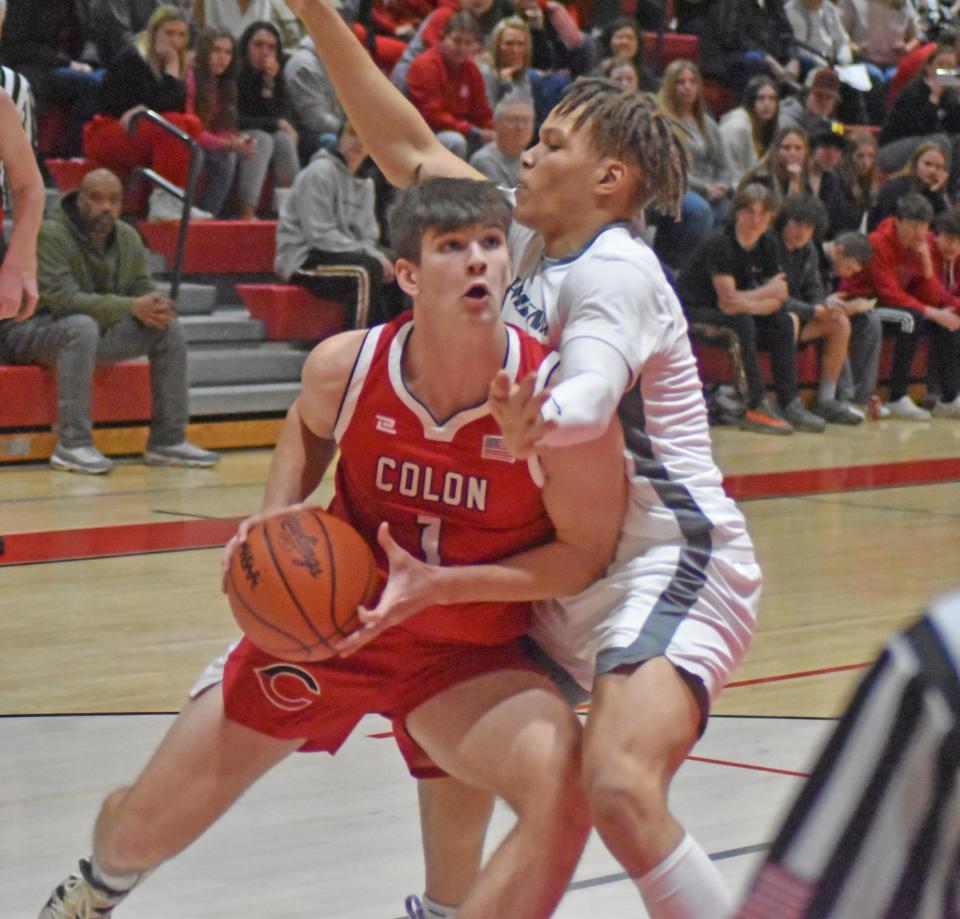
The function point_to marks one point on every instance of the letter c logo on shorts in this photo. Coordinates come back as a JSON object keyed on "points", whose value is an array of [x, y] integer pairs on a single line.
{"points": [[287, 686]]}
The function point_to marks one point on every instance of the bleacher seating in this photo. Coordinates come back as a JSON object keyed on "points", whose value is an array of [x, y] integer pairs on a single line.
{"points": [[217, 246], [291, 312]]}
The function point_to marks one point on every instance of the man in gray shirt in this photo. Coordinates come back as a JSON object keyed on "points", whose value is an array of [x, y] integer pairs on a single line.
{"points": [[513, 123]]}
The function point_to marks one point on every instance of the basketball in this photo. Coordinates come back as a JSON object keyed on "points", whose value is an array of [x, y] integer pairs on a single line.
{"points": [[296, 581]]}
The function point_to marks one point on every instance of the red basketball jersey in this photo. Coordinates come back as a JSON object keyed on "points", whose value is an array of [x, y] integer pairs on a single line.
{"points": [[449, 489]]}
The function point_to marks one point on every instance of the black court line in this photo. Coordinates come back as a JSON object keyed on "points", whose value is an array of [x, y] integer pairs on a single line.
{"points": [[189, 516], [954, 515]]}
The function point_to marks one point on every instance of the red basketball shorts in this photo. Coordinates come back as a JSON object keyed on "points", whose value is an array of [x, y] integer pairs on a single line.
{"points": [[322, 702]]}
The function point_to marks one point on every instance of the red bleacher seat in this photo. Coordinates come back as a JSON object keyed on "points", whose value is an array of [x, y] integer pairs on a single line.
{"points": [[68, 174], [675, 44], [719, 98], [291, 312], [28, 394], [217, 246]]}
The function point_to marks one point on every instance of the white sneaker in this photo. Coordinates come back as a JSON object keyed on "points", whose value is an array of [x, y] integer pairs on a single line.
{"points": [[81, 897], [164, 206], [947, 409], [80, 459], [905, 409], [184, 454]]}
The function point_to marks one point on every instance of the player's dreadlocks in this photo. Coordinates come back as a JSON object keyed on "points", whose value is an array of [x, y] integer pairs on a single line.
{"points": [[631, 126]]}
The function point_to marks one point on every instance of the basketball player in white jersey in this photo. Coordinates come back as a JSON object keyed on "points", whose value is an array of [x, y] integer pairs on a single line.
{"points": [[676, 612]]}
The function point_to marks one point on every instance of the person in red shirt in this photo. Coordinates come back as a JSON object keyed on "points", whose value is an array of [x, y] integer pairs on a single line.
{"points": [[902, 276], [447, 88]]}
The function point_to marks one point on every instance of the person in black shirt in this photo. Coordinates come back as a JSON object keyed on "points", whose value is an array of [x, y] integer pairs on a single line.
{"points": [[735, 281]]}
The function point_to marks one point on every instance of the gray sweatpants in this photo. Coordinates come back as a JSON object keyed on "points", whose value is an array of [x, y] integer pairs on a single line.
{"points": [[74, 344], [858, 379], [276, 151]]}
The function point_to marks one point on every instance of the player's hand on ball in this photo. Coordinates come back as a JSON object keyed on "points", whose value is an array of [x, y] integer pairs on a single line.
{"points": [[517, 409], [407, 591], [245, 525]]}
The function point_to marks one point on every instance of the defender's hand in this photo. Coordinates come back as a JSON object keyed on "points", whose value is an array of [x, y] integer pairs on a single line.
{"points": [[517, 409]]}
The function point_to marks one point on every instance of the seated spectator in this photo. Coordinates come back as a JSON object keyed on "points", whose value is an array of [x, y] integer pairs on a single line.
{"points": [[622, 40], [742, 38], [98, 304], [328, 219], [212, 97], [816, 104], [882, 33], [446, 87], [264, 113], [945, 250], [509, 72], [499, 160], [317, 113], [115, 24], [622, 72], [707, 202], [147, 75], [748, 130], [859, 177], [817, 318], [235, 16], [558, 42], [848, 255], [487, 14], [736, 281], [818, 26], [681, 94], [926, 174], [50, 44], [928, 108], [827, 146], [901, 276]]}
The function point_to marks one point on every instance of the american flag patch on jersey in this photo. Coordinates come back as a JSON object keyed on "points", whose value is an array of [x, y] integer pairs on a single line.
{"points": [[494, 448]]}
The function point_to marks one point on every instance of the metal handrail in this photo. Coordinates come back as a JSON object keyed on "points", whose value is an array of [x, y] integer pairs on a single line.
{"points": [[186, 195]]}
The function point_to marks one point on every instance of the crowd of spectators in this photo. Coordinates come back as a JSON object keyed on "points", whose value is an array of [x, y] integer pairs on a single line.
{"points": [[848, 117]]}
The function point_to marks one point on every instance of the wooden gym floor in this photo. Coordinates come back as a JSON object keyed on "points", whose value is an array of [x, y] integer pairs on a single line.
{"points": [[110, 610]]}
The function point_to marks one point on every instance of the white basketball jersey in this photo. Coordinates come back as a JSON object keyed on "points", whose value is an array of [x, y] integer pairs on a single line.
{"points": [[614, 290]]}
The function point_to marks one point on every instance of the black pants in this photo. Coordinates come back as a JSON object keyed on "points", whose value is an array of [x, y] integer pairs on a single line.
{"points": [[386, 300], [945, 352], [774, 334]]}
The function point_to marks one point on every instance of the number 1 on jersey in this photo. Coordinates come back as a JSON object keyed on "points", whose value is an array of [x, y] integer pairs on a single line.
{"points": [[429, 538]]}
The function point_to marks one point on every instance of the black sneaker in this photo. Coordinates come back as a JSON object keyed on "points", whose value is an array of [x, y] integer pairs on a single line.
{"points": [[837, 412], [764, 420], [803, 419]]}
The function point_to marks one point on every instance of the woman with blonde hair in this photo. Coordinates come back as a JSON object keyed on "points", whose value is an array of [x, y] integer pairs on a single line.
{"points": [[510, 73], [148, 75], [681, 95]]}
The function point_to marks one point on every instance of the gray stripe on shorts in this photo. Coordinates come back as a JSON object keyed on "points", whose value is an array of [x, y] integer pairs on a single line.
{"points": [[679, 596]]}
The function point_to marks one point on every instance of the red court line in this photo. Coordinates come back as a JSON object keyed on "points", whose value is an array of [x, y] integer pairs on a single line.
{"points": [[794, 676], [751, 766], [841, 478], [112, 541]]}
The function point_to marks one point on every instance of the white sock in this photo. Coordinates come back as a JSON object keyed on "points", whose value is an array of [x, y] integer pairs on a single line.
{"points": [[118, 882], [434, 910], [685, 885], [826, 392]]}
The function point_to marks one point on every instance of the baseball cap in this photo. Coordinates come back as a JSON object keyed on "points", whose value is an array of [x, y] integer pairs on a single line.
{"points": [[828, 134]]}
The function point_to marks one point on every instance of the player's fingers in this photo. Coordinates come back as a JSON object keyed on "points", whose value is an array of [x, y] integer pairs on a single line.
{"points": [[523, 391], [499, 386]]}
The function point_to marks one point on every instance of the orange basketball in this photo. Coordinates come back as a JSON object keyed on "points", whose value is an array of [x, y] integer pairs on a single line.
{"points": [[296, 581]]}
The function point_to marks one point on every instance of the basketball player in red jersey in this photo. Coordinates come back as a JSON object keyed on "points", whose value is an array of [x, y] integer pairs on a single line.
{"points": [[658, 636], [406, 403]]}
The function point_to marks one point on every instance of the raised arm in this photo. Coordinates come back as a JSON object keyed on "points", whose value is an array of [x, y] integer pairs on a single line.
{"points": [[396, 136]]}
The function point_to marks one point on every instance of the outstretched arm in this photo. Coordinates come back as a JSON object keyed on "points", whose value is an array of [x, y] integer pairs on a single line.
{"points": [[397, 137]]}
